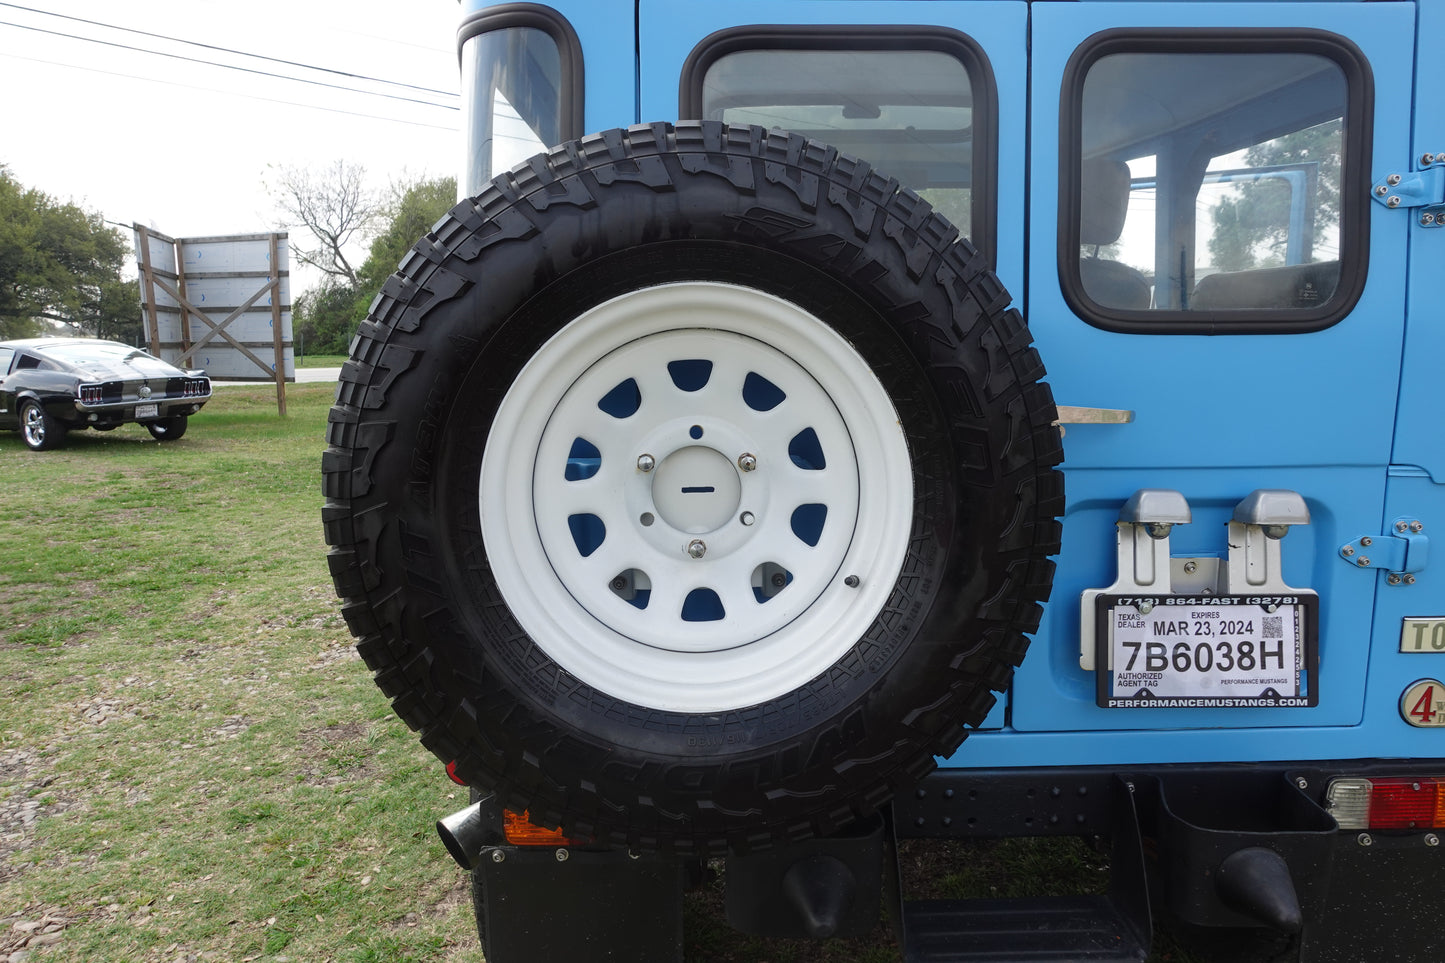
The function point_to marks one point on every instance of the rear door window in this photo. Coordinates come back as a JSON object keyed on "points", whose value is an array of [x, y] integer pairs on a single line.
{"points": [[1207, 185], [914, 102]]}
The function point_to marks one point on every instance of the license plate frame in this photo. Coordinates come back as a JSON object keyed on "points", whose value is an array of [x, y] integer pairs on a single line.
{"points": [[148, 411], [1146, 622]]}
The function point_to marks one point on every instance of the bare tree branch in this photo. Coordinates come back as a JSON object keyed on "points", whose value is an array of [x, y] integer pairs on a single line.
{"points": [[334, 206]]}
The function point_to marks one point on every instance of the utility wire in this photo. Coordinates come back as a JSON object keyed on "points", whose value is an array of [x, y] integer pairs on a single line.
{"points": [[233, 93], [247, 70], [229, 50]]}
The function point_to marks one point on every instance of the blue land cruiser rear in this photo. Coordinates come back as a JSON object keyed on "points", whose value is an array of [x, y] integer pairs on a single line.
{"points": [[790, 368]]}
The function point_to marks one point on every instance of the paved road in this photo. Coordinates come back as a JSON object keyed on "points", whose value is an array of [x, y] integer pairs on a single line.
{"points": [[303, 375]]}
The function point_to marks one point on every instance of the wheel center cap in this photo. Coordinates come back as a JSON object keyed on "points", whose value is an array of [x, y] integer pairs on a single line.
{"points": [[696, 489]]}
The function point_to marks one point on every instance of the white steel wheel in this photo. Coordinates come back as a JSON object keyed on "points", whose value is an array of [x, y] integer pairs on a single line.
{"points": [[696, 497]]}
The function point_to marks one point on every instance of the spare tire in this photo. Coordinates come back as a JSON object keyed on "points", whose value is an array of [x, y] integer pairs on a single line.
{"points": [[692, 488]]}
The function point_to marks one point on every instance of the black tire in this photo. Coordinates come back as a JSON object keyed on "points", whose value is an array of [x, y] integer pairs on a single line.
{"points": [[605, 217], [168, 429], [38, 429]]}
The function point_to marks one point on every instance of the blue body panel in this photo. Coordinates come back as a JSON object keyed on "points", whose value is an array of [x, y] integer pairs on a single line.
{"points": [[1349, 416]]}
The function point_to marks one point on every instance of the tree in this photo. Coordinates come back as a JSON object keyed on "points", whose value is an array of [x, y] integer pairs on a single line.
{"points": [[334, 206], [59, 263], [327, 315], [413, 209], [1251, 228]]}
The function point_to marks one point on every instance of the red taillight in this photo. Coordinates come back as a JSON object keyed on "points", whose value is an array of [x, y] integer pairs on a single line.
{"points": [[1387, 802], [452, 774], [90, 394], [1403, 803]]}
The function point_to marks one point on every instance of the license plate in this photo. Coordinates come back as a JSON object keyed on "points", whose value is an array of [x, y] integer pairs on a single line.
{"points": [[1225, 651], [147, 411]]}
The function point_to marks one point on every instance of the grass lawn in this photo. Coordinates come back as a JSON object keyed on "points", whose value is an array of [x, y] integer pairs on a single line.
{"points": [[195, 765], [321, 361]]}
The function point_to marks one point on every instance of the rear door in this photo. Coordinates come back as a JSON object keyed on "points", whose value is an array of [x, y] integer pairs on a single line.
{"points": [[1247, 309], [1204, 254]]}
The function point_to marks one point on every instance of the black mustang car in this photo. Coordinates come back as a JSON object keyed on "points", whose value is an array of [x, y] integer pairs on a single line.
{"points": [[49, 386]]}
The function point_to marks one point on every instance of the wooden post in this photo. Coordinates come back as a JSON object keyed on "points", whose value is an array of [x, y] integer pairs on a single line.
{"points": [[148, 282], [275, 263]]}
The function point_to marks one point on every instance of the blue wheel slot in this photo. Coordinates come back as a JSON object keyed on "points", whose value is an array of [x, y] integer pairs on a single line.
{"points": [[702, 605], [583, 461], [690, 375], [587, 533], [623, 400], [807, 522]]}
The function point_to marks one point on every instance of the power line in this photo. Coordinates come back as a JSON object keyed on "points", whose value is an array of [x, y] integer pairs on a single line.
{"points": [[247, 70], [234, 93], [229, 50]]}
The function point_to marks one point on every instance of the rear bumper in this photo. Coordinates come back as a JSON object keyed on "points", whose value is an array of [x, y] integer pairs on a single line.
{"points": [[77, 415], [1358, 893]]}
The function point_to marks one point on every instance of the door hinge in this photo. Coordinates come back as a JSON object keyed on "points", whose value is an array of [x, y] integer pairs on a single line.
{"points": [[1402, 552], [1424, 189]]}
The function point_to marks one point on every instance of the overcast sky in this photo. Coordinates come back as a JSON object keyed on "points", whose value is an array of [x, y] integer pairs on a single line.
{"points": [[182, 144]]}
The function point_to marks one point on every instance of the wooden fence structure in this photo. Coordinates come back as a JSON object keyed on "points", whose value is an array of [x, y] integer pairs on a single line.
{"points": [[220, 303]]}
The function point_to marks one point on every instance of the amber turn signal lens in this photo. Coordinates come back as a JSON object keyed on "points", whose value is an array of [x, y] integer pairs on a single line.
{"points": [[522, 832]]}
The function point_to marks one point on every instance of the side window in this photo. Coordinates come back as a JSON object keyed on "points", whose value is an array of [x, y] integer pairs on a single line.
{"points": [[915, 103], [1210, 182], [523, 68], [28, 361]]}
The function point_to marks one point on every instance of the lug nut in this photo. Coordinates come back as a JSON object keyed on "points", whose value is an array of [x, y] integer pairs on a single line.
{"points": [[697, 548], [747, 518], [748, 462], [851, 581], [646, 463], [779, 580]]}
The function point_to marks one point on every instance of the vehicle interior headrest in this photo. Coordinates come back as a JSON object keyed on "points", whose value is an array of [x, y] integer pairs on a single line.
{"points": [[1103, 200]]}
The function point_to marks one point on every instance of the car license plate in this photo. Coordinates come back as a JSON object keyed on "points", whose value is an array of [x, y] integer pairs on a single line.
{"points": [[1218, 651], [147, 411]]}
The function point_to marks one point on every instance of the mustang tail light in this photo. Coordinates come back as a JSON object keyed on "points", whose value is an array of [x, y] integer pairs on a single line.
{"points": [[196, 388], [1387, 803], [90, 394]]}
